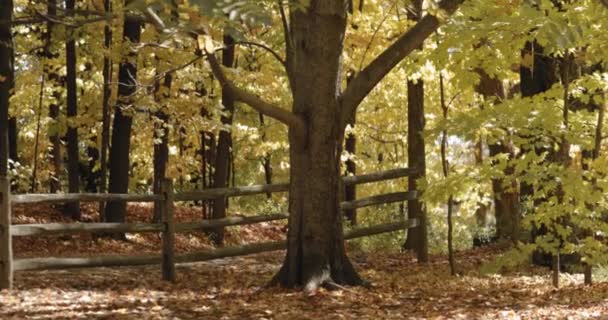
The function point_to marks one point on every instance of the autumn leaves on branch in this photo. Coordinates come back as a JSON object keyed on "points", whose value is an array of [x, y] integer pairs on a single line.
{"points": [[360, 86]]}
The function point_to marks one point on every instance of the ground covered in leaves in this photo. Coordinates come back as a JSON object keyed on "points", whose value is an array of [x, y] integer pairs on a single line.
{"points": [[235, 288]]}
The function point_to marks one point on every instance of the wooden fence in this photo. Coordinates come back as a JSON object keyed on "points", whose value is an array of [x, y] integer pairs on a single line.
{"points": [[165, 200]]}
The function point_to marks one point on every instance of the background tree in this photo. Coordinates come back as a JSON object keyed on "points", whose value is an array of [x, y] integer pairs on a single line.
{"points": [[416, 238], [6, 83], [73, 208], [121, 129]]}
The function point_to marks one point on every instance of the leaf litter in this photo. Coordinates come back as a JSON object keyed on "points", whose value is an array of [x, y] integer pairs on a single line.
{"points": [[234, 288]]}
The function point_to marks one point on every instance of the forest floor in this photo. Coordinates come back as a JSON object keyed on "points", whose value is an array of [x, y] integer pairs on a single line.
{"points": [[235, 288]]}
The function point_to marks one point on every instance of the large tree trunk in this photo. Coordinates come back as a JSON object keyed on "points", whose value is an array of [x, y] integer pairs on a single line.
{"points": [[72, 209], [7, 74], [121, 131], [506, 199], [314, 37], [224, 145], [416, 237], [316, 253]]}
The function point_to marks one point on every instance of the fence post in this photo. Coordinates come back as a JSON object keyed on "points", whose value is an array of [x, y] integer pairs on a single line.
{"points": [[6, 247], [168, 237]]}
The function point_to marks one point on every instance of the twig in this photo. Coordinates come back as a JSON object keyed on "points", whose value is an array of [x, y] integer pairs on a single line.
{"points": [[265, 47]]}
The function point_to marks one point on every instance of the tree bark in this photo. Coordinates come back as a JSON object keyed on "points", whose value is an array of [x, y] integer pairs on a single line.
{"points": [[350, 145], [105, 110], [121, 133], [7, 76], [416, 237], [315, 251], [72, 209], [506, 198], [207, 153], [161, 150], [266, 159], [13, 135], [54, 80], [224, 144]]}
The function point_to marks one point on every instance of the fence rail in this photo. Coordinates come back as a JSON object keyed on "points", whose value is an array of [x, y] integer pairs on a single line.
{"points": [[32, 198], [166, 199], [115, 261]]}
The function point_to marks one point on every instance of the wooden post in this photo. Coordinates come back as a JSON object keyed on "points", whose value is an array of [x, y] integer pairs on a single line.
{"points": [[588, 274], [555, 261], [6, 247], [166, 211]]}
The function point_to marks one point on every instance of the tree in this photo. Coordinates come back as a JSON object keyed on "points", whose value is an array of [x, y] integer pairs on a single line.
{"points": [[416, 238], [105, 109], [72, 209], [320, 111], [54, 80], [161, 132], [224, 146], [121, 128], [506, 197], [6, 79]]}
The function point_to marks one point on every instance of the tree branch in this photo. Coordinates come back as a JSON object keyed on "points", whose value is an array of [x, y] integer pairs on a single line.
{"points": [[266, 48], [288, 44], [369, 77], [291, 120]]}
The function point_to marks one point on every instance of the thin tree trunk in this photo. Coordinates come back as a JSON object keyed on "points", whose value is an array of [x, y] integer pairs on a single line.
{"points": [[207, 159], [562, 157], [54, 80], [121, 132], [266, 159], [105, 116], [34, 179], [446, 171], [92, 176], [7, 73], [597, 148], [416, 237], [350, 145], [13, 135], [161, 150], [222, 160], [72, 209], [481, 213]]}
